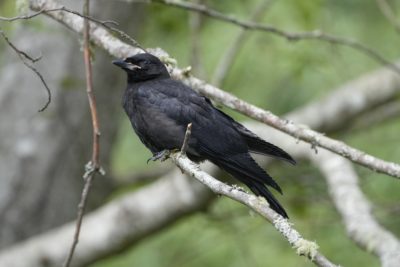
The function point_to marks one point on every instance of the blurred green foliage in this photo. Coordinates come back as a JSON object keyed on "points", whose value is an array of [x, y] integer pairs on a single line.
{"points": [[277, 75]]}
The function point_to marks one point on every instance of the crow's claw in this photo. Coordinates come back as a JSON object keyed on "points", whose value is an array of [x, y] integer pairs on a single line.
{"points": [[162, 155]]}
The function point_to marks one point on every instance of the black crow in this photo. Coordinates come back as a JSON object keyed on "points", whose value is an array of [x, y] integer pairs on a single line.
{"points": [[160, 109]]}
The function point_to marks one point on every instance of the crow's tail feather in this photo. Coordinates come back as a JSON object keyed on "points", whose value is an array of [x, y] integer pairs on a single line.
{"points": [[257, 145], [246, 170], [260, 190]]}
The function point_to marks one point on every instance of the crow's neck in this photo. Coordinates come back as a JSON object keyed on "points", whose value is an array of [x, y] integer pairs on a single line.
{"points": [[134, 79]]}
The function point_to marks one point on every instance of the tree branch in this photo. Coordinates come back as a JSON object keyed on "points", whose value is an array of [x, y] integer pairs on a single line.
{"points": [[348, 101], [297, 131], [377, 116], [115, 226], [119, 49], [303, 247], [26, 17], [186, 139], [349, 200], [290, 36], [106, 24], [94, 164], [355, 209]]}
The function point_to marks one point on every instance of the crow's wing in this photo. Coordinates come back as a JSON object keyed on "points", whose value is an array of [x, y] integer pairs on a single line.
{"points": [[258, 145], [168, 106]]}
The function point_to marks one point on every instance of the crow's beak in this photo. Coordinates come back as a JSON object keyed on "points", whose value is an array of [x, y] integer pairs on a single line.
{"points": [[125, 65], [119, 62]]}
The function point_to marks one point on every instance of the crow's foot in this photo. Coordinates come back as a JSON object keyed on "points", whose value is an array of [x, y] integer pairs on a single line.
{"points": [[162, 155]]}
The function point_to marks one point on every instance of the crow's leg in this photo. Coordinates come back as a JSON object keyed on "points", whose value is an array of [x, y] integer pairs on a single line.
{"points": [[161, 155]]}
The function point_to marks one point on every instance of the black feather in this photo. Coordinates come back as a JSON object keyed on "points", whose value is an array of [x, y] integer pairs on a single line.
{"points": [[160, 109], [260, 146], [260, 190]]}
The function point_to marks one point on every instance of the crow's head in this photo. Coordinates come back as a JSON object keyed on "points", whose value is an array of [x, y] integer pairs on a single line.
{"points": [[142, 67]]}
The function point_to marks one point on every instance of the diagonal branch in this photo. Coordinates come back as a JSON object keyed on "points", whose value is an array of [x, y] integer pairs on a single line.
{"points": [[355, 208], [120, 49], [94, 164], [303, 247], [349, 200], [297, 131], [106, 24], [115, 226], [26, 17]]}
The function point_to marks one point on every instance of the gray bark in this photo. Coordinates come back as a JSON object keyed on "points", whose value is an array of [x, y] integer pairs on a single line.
{"points": [[43, 154]]}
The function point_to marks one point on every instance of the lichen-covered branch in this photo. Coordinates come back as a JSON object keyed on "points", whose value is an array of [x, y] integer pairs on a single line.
{"points": [[303, 247]]}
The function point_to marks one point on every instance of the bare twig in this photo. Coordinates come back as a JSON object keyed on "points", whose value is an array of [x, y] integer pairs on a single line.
{"points": [[290, 36], [94, 165], [227, 59], [26, 17], [106, 24], [186, 139], [22, 56], [81, 210], [303, 247], [388, 13], [120, 49]]}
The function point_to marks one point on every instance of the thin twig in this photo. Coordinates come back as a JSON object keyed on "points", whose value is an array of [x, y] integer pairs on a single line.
{"points": [[290, 36], [81, 210], [94, 165], [186, 139], [388, 13], [26, 17], [22, 56], [106, 24]]}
